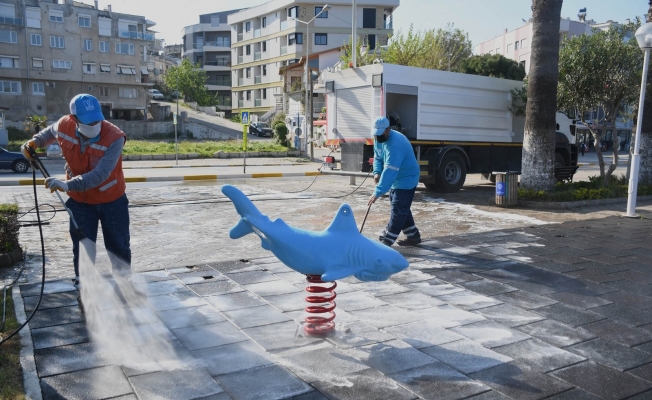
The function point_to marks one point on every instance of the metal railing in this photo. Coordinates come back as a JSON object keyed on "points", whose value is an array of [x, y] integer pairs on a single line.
{"points": [[11, 21], [284, 50], [197, 45], [136, 35], [258, 102], [219, 63], [256, 33], [219, 43], [257, 79], [219, 82]]}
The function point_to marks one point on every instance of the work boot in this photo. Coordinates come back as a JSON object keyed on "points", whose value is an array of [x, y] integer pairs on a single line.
{"points": [[409, 241], [386, 242]]}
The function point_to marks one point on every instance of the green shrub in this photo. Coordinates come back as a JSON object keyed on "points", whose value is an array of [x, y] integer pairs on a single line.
{"points": [[18, 134], [236, 118], [8, 228], [281, 133], [593, 189]]}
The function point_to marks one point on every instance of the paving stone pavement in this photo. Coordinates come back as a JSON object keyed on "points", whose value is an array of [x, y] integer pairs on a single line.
{"points": [[496, 304]]}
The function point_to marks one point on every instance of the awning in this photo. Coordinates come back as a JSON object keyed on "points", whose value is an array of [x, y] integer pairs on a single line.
{"points": [[319, 122], [105, 68], [144, 71], [128, 70]]}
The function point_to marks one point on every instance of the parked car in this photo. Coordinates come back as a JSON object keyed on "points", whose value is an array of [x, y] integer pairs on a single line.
{"points": [[13, 160], [174, 94], [155, 94], [53, 151], [260, 129]]}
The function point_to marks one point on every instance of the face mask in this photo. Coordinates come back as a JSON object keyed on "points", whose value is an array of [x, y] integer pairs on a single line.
{"points": [[382, 138], [90, 131]]}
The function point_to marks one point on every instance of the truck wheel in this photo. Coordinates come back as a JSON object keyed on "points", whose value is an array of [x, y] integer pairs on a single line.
{"points": [[560, 161], [431, 187], [451, 174]]}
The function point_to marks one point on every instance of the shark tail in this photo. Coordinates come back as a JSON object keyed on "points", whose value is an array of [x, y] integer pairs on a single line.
{"points": [[247, 210], [241, 229]]}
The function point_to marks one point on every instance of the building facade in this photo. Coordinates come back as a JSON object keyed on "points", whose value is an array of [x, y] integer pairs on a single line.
{"points": [[268, 37], [208, 45], [52, 50]]}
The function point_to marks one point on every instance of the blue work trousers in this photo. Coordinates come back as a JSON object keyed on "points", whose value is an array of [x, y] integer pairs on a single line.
{"points": [[114, 217], [400, 218]]}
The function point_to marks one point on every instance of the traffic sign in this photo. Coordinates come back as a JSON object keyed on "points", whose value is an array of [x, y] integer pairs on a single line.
{"points": [[244, 117]]}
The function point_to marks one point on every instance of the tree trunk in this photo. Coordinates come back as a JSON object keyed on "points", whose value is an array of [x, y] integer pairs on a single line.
{"points": [[645, 147], [539, 141]]}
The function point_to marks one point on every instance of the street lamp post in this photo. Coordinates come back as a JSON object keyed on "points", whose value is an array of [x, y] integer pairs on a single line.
{"points": [[307, 107], [644, 39]]}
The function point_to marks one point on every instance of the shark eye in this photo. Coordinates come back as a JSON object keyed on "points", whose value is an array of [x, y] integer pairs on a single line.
{"points": [[345, 211], [379, 261]]}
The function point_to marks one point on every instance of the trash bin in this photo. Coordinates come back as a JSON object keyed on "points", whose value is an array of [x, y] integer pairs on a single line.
{"points": [[506, 188]]}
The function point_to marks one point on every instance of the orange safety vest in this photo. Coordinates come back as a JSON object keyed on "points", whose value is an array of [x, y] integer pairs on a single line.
{"points": [[79, 164]]}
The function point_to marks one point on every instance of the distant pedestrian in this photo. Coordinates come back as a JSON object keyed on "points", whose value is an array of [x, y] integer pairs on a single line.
{"points": [[582, 147]]}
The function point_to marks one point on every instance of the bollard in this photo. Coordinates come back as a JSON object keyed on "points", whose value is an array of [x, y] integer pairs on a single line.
{"points": [[506, 188]]}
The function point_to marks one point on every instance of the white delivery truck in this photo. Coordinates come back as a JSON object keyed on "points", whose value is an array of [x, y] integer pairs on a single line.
{"points": [[457, 123]]}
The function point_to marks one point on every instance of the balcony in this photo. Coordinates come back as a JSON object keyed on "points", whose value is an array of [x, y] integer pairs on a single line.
{"points": [[136, 35], [240, 103], [284, 50], [240, 58], [284, 25], [197, 46], [240, 36], [256, 33], [218, 43], [257, 79], [219, 63], [11, 21], [258, 102], [257, 56], [219, 82]]}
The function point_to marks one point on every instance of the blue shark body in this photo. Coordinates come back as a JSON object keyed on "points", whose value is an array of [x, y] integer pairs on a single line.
{"points": [[335, 253]]}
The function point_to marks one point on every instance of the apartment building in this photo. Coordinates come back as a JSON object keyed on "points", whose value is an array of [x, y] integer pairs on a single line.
{"points": [[208, 45], [52, 50], [268, 37]]}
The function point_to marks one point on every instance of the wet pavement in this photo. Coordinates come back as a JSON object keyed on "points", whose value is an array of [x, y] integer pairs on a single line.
{"points": [[496, 304]]}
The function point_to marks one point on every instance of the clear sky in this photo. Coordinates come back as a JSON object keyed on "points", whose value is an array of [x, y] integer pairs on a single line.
{"points": [[482, 19]]}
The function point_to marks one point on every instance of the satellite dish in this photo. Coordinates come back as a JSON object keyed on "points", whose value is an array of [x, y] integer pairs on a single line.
{"points": [[156, 71]]}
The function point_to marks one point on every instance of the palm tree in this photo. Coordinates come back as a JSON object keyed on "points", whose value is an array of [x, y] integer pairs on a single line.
{"points": [[34, 123], [539, 141], [645, 149]]}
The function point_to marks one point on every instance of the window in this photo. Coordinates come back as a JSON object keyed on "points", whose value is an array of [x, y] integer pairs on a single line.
{"points": [[264, 46], [104, 91], [264, 93], [104, 46], [248, 49], [522, 64], [57, 42], [321, 39], [248, 94], [523, 43], [7, 36], [126, 70], [10, 87], [88, 45], [264, 70], [9, 62], [33, 17], [369, 18], [37, 63], [509, 48], [247, 72], [128, 93], [322, 15], [56, 16], [61, 64], [293, 12], [516, 45], [84, 21], [104, 26], [89, 68], [35, 39], [124, 48], [295, 38], [247, 26], [38, 89], [105, 68], [264, 22]]}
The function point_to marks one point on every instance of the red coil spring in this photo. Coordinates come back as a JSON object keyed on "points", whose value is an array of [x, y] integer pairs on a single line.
{"points": [[320, 325]]}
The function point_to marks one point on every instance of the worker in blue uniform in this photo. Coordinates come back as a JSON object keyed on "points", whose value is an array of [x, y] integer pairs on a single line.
{"points": [[395, 170]]}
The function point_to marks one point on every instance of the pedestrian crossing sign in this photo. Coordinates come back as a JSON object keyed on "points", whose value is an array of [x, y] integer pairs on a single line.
{"points": [[244, 117]]}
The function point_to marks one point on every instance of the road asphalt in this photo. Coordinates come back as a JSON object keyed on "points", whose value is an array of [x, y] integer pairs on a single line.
{"points": [[497, 303]]}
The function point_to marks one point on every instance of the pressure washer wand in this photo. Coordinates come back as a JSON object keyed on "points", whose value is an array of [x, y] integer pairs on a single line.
{"points": [[38, 164], [365, 217]]}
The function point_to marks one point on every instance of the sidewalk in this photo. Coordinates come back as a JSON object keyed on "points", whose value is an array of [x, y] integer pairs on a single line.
{"points": [[496, 304]]}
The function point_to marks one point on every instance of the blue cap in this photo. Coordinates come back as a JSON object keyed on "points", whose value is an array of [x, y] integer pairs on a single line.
{"points": [[86, 108], [380, 124]]}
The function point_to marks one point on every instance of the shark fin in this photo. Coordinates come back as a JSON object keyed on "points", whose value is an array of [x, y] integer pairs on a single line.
{"points": [[344, 220], [336, 272], [241, 229]]}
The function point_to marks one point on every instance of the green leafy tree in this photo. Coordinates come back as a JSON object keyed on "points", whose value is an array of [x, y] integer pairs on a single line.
{"points": [[35, 123], [537, 163], [494, 65], [189, 79], [602, 70], [645, 145], [441, 49]]}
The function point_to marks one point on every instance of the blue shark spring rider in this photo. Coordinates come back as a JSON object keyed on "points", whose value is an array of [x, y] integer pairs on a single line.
{"points": [[335, 253]]}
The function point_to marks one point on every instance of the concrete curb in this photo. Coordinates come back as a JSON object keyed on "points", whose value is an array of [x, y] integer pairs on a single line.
{"points": [[217, 166], [569, 205], [30, 376]]}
